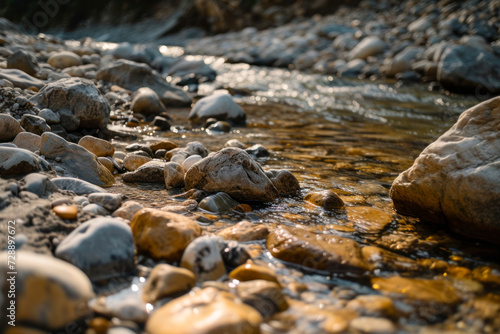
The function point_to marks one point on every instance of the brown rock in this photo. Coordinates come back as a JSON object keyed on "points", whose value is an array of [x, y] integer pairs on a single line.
{"points": [[251, 271], [66, 211], [131, 162], [368, 219], [106, 162], [327, 199], [27, 140], [163, 145], [166, 280], [245, 231], [100, 147], [9, 128], [264, 296]]}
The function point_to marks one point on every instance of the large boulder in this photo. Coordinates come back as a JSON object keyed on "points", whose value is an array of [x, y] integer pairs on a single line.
{"points": [[456, 179], [219, 106], [234, 172], [75, 98], [132, 76], [466, 69]]}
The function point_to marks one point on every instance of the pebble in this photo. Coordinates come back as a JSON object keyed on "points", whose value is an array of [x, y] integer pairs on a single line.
{"points": [[39, 184], [131, 162], [64, 59], [152, 172], [173, 175], [284, 181], [191, 160], [258, 151], [127, 210], [77, 186], [233, 253], [145, 101], [69, 212], [219, 126], [202, 257], [34, 124], [219, 106], [368, 219], [166, 280], [371, 325], [49, 116], [28, 141], [245, 231], [17, 161], [99, 147], [369, 46], [326, 199], [110, 202], [163, 145], [9, 128], [234, 143], [218, 203], [107, 162], [25, 61], [264, 296], [251, 271]]}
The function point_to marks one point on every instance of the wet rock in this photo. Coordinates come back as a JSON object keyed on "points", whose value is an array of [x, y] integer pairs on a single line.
{"points": [[34, 124], [75, 159], [50, 293], [163, 145], [96, 209], [69, 212], [39, 184], [234, 143], [220, 126], [100, 247], [133, 76], [108, 162], [163, 235], [455, 180], [216, 312], [233, 171], [257, 151], [110, 202], [220, 202], [9, 128], [422, 24], [20, 79], [284, 181], [127, 210], [77, 186], [64, 59], [372, 306], [264, 296], [369, 46], [245, 231], [316, 251], [202, 257], [75, 98], [152, 172], [191, 160], [233, 253], [378, 258], [166, 280], [218, 106], [326, 199], [24, 61], [174, 175], [145, 101], [368, 219], [100, 147], [133, 161], [17, 161], [372, 325], [28, 141], [161, 122], [251, 271], [135, 52], [198, 69]]}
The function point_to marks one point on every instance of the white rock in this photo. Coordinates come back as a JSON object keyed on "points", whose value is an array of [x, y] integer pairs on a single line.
{"points": [[218, 106], [369, 46], [64, 59]]}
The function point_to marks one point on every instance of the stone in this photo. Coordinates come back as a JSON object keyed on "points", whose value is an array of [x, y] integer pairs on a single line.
{"points": [[163, 145], [218, 203], [100, 147], [110, 202], [197, 68], [165, 281], [108, 162], [132, 161], [245, 231], [100, 247], [64, 59], [454, 180], [196, 148], [202, 257], [75, 97], [233, 253], [133, 76], [326, 199], [372, 306], [284, 181], [264, 296], [127, 210], [24, 61], [49, 116], [96, 209], [135, 52], [163, 235], [369, 46], [162, 123], [50, 293], [251, 271], [206, 311], [77, 186], [76, 160], [233, 171], [191, 160], [152, 172], [220, 126], [145, 101], [18, 161], [465, 69], [39, 184], [372, 325], [28, 141], [9, 128], [381, 259], [368, 219], [69, 212], [174, 175], [34, 124], [257, 151], [422, 24], [234, 143], [219, 106], [20, 79], [322, 252]]}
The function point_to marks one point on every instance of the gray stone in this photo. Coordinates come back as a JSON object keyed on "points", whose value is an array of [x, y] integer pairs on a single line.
{"points": [[145, 101], [96, 209], [24, 61], [196, 148], [258, 151], [218, 106], [369, 46], [202, 257], [284, 181], [152, 171], [220, 202], [101, 247], [39, 184], [20, 79], [9, 127], [135, 52], [34, 124], [191, 160], [79, 187], [18, 161], [110, 202], [174, 175], [127, 210]]}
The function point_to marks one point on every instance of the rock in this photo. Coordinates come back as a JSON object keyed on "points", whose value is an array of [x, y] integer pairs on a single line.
{"points": [[234, 143], [17, 161], [109, 163], [316, 251], [191, 160], [422, 24], [233, 253], [161, 122], [20, 79], [145, 101], [174, 175], [110, 202], [69, 212], [135, 52], [127, 210], [133, 161], [96, 209], [77, 186], [245, 231], [455, 180], [369, 220], [216, 312], [233, 171], [198, 69], [465, 69], [34, 124], [133, 76], [152, 171], [28, 141], [100, 147], [284, 181], [373, 306], [77, 98], [196, 148], [49, 116], [50, 293], [369, 46], [218, 106], [76, 160], [163, 145], [9, 128], [64, 59], [24, 61], [202, 257], [166, 280], [100, 247], [257, 151], [220, 126], [218, 203], [264, 296], [372, 325], [327, 199], [250, 271], [39, 184], [163, 235], [378, 258]]}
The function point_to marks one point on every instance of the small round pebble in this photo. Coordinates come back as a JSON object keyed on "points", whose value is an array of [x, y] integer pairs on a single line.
{"points": [[69, 212]]}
